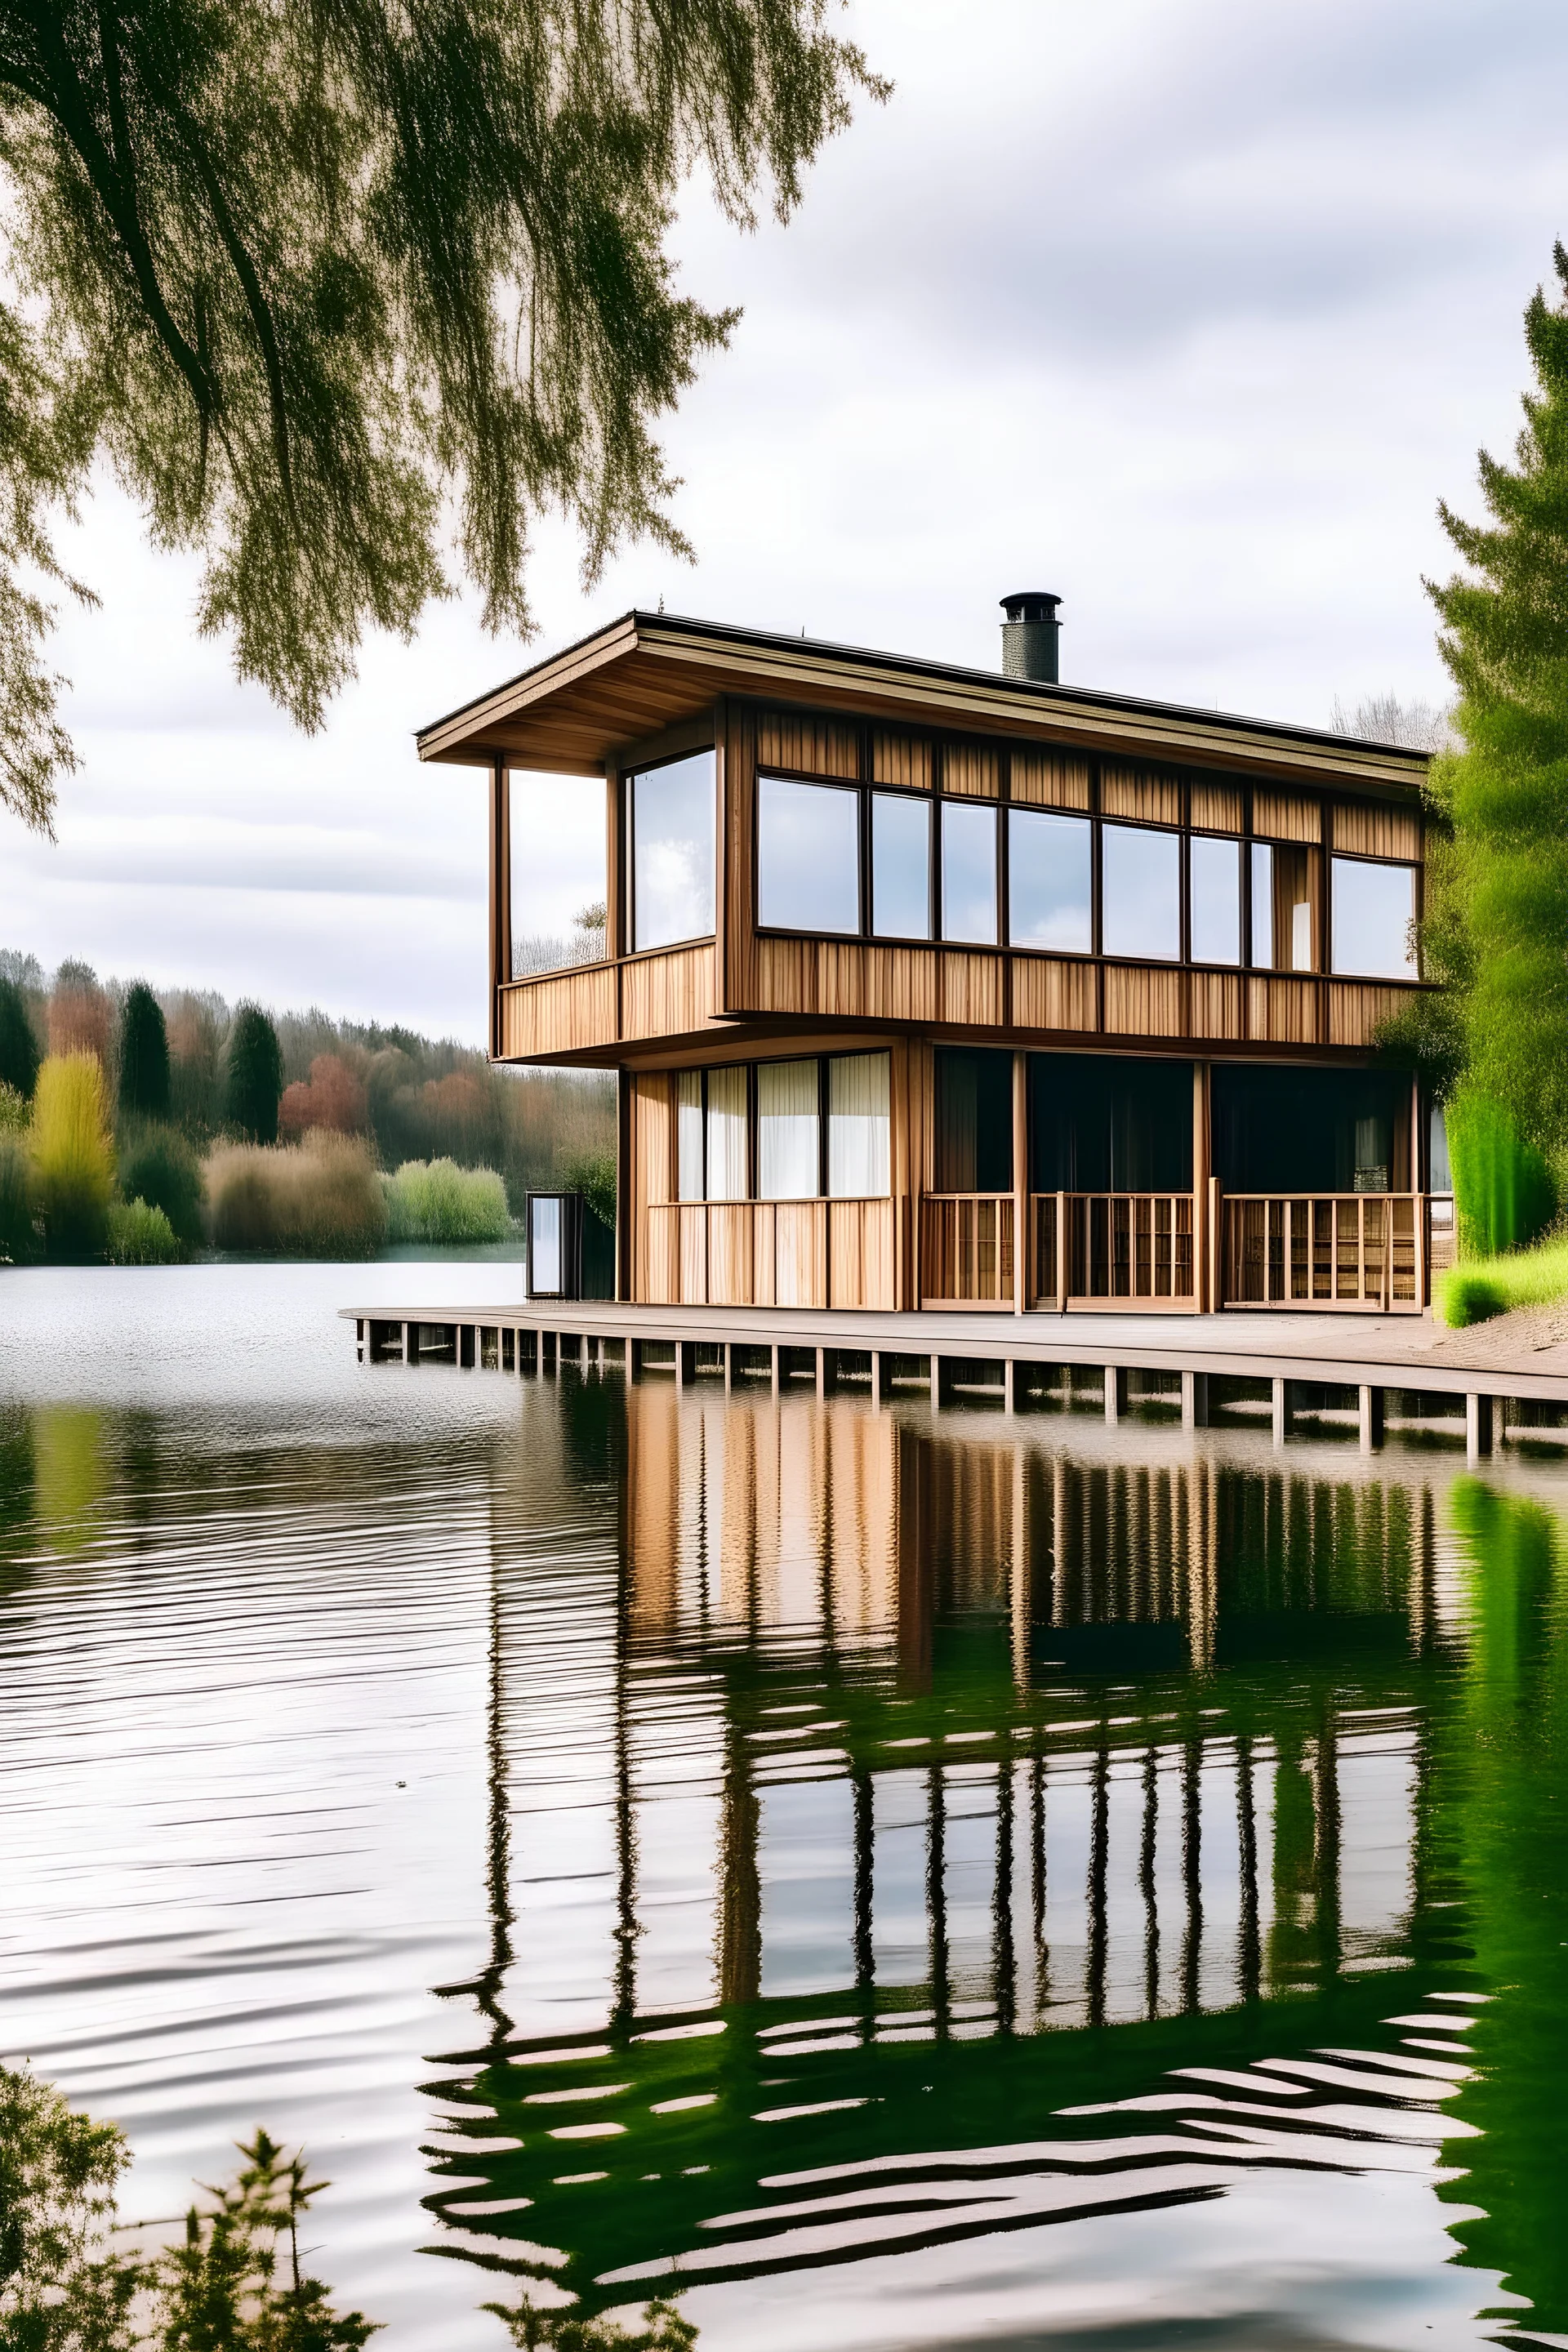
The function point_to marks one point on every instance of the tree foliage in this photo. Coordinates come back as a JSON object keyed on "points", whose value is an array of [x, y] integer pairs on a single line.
{"points": [[334, 284], [143, 1054], [1499, 896], [254, 1079], [19, 1054], [73, 1156], [62, 2286]]}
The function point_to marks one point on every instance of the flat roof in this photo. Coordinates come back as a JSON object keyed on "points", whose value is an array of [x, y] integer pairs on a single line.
{"points": [[574, 711]]}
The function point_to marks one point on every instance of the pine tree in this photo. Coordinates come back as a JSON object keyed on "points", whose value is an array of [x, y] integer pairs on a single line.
{"points": [[254, 1078], [144, 1056], [1498, 896], [19, 1055]]}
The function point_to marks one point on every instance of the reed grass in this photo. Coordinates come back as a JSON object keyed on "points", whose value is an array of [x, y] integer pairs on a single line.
{"points": [[320, 1197], [437, 1200], [1478, 1288]]}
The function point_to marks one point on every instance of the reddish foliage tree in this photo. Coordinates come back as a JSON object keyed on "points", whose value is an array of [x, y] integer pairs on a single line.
{"points": [[80, 1021], [331, 1097]]}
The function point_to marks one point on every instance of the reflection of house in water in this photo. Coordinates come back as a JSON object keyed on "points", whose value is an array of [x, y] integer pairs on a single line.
{"points": [[853, 1751]]}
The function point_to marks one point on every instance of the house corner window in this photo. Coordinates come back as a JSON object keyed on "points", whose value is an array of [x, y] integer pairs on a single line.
{"points": [[559, 871], [670, 843], [1374, 932]]}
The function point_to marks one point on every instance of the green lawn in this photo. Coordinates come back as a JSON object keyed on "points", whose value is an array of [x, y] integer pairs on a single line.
{"points": [[1484, 1287]]}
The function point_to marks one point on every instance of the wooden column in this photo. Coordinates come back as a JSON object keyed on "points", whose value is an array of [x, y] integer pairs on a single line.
{"points": [[1021, 1236], [1202, 1299], [501, 901], [1369, 1418], [1478, 1426]]}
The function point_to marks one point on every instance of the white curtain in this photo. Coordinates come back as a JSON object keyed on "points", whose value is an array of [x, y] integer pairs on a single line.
{"points": [[689, 1135], [788, 1126], [727, 1133], [859, 1094]]}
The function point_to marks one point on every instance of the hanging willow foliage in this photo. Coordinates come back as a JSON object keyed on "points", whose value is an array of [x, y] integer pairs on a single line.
{"points": [[1499, 893], [331, 283]]}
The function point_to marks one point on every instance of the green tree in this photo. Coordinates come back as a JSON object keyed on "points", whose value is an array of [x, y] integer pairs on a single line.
{"points": [[62, 2286], [19, 1055], [73, 1158], [228, 2286], [143, 1054], [313, 275], [254, 1080], [158, 1165], [1499, 895]]}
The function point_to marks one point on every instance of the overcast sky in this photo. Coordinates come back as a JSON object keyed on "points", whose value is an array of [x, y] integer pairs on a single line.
{"points": [[1187, 309]]}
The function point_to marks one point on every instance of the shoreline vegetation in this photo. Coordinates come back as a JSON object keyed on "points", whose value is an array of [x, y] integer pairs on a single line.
{"points": [[142, 1128]]}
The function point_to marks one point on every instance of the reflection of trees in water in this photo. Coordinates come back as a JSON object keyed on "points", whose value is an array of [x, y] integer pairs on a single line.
{"points": [[857, 1752]]}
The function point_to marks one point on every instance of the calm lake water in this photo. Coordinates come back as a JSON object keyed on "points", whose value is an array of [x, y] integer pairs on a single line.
{"points": [[893, 1881]]}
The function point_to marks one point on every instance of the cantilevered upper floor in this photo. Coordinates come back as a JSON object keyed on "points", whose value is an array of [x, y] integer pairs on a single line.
{"points": [[768, 835]]}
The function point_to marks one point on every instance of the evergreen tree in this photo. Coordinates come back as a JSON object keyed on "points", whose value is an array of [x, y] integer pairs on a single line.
{"points": [[144, 1056], [1498, 895], [255, 1076], [19, 1055], [316, 280]]}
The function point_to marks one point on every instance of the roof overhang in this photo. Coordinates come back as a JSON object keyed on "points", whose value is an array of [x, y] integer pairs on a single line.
{"points": [[572, 714]]}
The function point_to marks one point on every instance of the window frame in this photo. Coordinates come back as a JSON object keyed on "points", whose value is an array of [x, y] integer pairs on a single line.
{"points": [[752, 1197], [628, 893], [1416, 870]]}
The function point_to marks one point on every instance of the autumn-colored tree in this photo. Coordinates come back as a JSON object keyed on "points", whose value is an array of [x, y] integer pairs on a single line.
{"points": [[79, 1014], [331, 1097]]}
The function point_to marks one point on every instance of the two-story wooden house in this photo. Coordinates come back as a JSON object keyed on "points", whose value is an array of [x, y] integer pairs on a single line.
{"points": [[928, 986]]}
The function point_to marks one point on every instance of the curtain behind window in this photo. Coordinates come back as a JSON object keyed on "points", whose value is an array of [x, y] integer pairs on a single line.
{"points": [[788, 1131], [689, 1135], [727, 1133], [859, 1100]]}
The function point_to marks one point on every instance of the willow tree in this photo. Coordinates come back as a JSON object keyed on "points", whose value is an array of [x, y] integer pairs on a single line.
{"points": [[1499, 900], [346, 292]]}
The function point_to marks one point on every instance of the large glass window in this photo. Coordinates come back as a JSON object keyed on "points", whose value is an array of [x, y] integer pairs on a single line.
{"points": [[1050, 874], [726, 1135], [900, 866], [973, 1121], [789, 1129], [859, 1111], [1140, 892], [1373, 913], [969, 873], [559, 843], [689, 1184], [808, 856], [670, 825], [1215, 880]]}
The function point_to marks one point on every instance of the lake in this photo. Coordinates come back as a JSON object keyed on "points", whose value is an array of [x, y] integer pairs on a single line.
{"points": [[891, 1880]]}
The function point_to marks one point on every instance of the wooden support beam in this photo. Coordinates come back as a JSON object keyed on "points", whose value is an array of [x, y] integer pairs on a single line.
{"points": [[822, 1371], [1478, 1425], [1194, 1399], [1370, 1417], [935, 1382], [1115, 1393], [1010, 1385], [686, 1362], [775, 1353], [878, 1392], [1281, 1398], [729, 1365]]}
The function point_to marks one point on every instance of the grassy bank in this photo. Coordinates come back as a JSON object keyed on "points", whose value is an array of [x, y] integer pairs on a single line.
{"points": [[1484, 1287]]}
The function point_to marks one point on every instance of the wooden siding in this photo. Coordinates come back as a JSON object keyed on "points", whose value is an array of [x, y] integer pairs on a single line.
{"points": [[1217, 806], [1355, 1008], [815, 745], [1146, 794], [899, 759], [1282, 1011], [1049, 780], [1372, 829], [971, 769], [1052, 995], [1144, 1001], [559, 1013], [1216, 1004], [666, 995], [1286, 816]]}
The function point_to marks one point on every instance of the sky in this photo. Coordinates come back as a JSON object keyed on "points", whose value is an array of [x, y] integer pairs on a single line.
{"points": [[1188, 310]]}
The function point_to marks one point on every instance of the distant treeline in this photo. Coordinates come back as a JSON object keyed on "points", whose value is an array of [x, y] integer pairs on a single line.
{"points": [[407, 1096]]}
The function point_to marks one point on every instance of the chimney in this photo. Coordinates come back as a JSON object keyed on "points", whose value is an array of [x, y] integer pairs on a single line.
{"points": [[1030, 635]]}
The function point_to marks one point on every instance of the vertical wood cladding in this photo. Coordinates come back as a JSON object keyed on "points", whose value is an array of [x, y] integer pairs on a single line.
{"points": [[815, 746], [973, 769], [1286, 816], [1217, 806], [1372, 829], [900, 758], [1146, 796], [1049, 779]]}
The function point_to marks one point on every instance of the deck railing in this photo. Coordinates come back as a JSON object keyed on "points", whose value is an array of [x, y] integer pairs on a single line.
{"points": [[1106, 1249], [966, 1249], [1327, 1250]]}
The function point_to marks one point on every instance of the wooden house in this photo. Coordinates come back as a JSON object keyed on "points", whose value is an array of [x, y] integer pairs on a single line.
{"points": [[928, 986]]}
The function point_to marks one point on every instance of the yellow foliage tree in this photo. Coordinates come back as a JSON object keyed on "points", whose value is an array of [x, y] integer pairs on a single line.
{"points": [[73, 1157]]}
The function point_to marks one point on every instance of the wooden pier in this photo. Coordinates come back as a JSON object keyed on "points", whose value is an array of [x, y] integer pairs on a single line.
{"points": [[1386, 1370]]}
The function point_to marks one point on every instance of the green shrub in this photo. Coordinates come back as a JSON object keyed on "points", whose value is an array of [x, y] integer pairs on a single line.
{"points": [[1504, 1190], [320, 1197], [19, 1237], [18, 1045], [141, 1235], [437, 1200], [1478, 1288], [159, 1166], [144, 1056], [253, 1081], [592, 1173], [15, 1111], [73, 1158]]}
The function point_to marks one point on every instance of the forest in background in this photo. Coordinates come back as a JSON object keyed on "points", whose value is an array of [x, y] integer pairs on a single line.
{"points": [[408, 1096]]}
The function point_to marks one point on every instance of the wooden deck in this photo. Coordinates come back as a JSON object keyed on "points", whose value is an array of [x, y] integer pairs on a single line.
{"points": [[947, 1352]]}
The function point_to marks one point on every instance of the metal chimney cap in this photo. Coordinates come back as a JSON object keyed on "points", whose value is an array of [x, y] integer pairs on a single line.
{"points": [[1031, 604]]}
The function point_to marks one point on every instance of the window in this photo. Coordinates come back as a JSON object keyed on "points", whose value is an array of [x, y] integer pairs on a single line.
{"points": [[789, 1132], [726, 1133], [1050, 874], [1284, 933], [690, 1185], [557, 829], [1374, 909], [969, 873], [859, 1090], [1214, 881], [973, 1121], [808, 856], [900, 866], [1141, 909], [669, 823]]}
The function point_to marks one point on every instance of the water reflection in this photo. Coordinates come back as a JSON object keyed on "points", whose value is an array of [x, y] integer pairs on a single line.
{"points": [[911, 1813]]}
